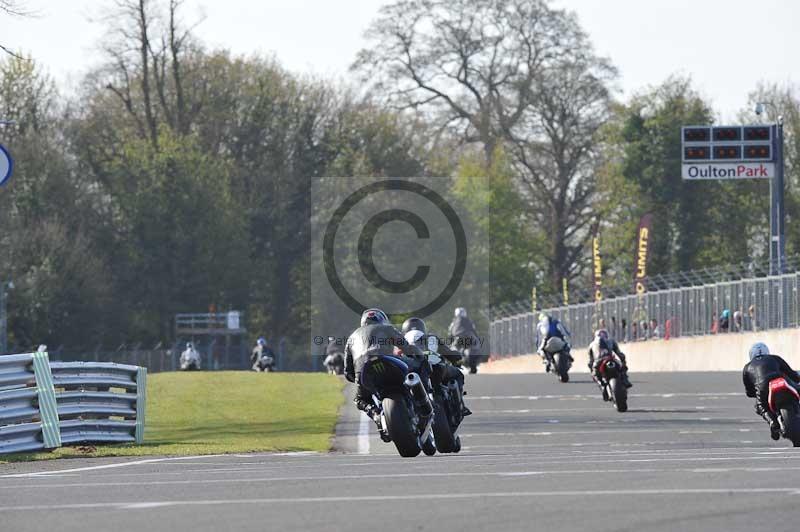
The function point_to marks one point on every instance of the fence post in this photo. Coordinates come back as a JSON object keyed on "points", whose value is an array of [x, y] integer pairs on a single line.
{"points": [[48, 409], [141, 395]]}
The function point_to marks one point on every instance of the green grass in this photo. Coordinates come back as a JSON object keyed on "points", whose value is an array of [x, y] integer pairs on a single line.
{"points": [[228, 412]]}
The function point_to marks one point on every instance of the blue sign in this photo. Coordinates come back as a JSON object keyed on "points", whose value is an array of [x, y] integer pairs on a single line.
{"points": [[6, 165]]}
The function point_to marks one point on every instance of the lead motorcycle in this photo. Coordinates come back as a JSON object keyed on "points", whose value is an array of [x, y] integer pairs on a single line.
{"points": [[406, 410], [784, 402], [608, 376], [447, 393]]}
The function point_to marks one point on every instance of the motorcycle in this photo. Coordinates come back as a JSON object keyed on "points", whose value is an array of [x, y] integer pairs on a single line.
{"points": [[190, 361], [401, 397], [470, 353], [447, 393], [335, 364], [609, 378], [556, 353], [264, 363], [784, 402]]}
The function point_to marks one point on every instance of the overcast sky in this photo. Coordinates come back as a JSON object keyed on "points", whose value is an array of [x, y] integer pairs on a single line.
{"points": [[726, 46]]}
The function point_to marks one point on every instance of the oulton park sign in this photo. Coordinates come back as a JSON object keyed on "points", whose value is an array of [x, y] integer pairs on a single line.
{"points": [[739, 170]]}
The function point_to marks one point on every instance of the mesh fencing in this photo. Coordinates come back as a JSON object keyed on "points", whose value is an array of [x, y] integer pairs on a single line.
{"points": [[757, 304]]}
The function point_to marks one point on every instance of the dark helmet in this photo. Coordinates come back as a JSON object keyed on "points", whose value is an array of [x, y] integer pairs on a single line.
{"points": [[414, 324], [374, 316], [603, 347], [601, 333]]}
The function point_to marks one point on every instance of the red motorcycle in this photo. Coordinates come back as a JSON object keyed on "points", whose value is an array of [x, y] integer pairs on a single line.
{"points": [[609, 377], [784, 402]]}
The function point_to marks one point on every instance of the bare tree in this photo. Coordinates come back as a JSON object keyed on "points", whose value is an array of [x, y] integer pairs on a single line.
{"points": [[148, 49], [14, 8], [504, 72]]}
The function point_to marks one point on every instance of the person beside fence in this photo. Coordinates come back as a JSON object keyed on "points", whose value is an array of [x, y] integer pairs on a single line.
{"points": [[751, 314], [737, 321], [724, 321], [655, 329]]}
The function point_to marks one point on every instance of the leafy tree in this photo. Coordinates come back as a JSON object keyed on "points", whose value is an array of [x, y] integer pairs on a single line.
{"points": [[696, 224]]}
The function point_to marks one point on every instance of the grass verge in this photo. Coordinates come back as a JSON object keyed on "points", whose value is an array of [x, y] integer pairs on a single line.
{"points": [[227, 412]]}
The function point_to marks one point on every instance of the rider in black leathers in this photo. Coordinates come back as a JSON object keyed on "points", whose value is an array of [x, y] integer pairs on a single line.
{"points": [[377, 336], [756, 374], [452, 356], [464, 334], [611, 345]]}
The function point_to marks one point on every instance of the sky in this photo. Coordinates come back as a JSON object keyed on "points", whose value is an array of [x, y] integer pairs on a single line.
{"points": [[726, 46]]}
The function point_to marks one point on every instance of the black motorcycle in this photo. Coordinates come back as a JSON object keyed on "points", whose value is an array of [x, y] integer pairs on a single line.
{"points": [[612, 384], [447, 393], [470, 353], [406, 409]]}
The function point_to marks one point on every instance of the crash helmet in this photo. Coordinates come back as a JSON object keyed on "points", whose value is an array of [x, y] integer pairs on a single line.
{"points": [[374, 316], [262, 341], [414, 324], [758, 349], [460, 312], [601, 333]]}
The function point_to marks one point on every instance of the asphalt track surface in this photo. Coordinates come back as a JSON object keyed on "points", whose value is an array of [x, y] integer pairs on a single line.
{"points": [[538, 455]]}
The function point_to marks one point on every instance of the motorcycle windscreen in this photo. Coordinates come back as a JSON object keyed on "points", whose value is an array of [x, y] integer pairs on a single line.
{"points": [[383, 372]]}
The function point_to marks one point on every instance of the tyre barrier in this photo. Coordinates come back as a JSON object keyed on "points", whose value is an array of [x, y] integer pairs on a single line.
{"points": [[44, 405]]}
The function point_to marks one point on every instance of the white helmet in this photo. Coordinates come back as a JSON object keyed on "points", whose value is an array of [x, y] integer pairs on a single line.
{"points": [[758, 349], [461, 312]]}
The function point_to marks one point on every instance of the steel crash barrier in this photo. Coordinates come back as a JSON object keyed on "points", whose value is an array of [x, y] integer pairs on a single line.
{"points": [[44, 405]]}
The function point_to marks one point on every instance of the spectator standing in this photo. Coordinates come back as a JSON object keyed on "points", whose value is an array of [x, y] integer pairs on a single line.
{"points": [[751, 314]]}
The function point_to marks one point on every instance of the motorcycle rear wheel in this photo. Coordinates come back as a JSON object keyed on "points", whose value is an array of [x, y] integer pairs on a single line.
{"points": [[620, 394], [401, 430], [445, 440], [562, 367], [791, 422]]}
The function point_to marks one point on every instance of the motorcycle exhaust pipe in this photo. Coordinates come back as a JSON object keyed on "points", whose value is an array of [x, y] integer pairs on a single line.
{"points": [[418, 393]]}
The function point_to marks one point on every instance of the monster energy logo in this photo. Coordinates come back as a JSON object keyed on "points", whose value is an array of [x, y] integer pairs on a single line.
{"points": [[378, 367]]}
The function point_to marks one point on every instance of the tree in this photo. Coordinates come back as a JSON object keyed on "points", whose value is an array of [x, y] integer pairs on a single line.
{"points": [[696, 224], [62, 284], [473, 63], [783, 101], [12, 8], [511, 73]]}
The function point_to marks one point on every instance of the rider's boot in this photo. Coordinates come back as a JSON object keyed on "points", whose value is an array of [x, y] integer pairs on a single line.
{"points": [[626, 380], [774, 426]]}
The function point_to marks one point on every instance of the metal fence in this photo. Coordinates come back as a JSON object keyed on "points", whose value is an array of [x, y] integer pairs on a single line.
{"points": [[756, 304], [44, 404]]}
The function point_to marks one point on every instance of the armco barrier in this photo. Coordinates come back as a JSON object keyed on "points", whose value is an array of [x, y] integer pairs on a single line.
{"points": [[44, 405], [28, 415]]}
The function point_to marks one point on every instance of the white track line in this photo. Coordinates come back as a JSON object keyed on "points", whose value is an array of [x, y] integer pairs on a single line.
{"points": [[363, 434], [388, 476], [595, 396], [107, 466], [138, 505]]}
